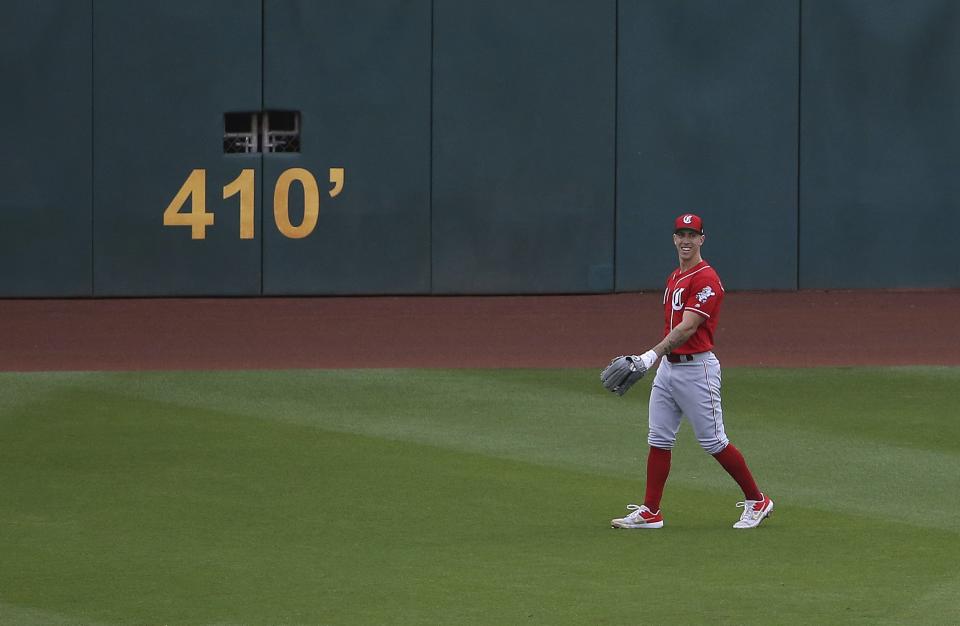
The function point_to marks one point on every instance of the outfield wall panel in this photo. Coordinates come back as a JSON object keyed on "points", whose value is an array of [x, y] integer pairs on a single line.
{"points": [[45, 126], [523, 146], [880, 130], [359, 73], [164, 75], [707, 119]]}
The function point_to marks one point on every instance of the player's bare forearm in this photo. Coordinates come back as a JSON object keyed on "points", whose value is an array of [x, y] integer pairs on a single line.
{"points": [[680, 333], [676, 338]]}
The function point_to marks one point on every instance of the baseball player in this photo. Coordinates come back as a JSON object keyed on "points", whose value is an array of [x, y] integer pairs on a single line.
{"points": [[687, 383]]}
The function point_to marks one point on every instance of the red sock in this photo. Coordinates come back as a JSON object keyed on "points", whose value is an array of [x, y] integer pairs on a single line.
{"points": [[732, 461], [658, 468]]}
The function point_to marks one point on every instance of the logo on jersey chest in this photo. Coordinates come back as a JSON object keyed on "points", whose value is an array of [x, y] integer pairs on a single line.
{"points": [[702, 296], [678, 298]]}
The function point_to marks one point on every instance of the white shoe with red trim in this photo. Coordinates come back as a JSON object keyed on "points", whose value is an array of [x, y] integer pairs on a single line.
{"points": [[754, 512], [639, 517]]}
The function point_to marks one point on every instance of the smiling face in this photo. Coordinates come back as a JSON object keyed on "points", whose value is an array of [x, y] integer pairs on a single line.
{"points": [[688, 242]]}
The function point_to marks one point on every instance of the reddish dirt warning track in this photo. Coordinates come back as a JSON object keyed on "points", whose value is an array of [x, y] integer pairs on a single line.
{"points": [[809, 328]]}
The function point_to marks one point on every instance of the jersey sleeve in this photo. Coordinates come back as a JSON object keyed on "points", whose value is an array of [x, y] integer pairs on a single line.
{"points": [[705, 295]]}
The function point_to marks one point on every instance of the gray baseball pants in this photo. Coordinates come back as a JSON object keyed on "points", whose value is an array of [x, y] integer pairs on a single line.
{"points": [[691, 389]]}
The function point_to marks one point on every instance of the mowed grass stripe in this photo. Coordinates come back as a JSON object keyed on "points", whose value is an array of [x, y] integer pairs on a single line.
{"points": [[853, 439], [293, 498]]}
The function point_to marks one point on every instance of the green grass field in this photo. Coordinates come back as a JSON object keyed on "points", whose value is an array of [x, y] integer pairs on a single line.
{"points": [[470, 497]]}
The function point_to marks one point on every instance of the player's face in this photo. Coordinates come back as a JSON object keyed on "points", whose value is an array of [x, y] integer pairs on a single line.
{"points": [[687, 243]]}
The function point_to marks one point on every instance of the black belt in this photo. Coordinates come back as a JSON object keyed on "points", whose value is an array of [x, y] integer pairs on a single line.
{"points": [[679, 358]]}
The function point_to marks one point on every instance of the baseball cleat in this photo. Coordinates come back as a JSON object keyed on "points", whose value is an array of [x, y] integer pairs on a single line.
{"points": [[754, 512], [639, 517]]}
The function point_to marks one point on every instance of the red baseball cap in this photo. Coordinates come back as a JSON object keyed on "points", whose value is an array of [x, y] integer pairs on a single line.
{"points": [[688, 221]]}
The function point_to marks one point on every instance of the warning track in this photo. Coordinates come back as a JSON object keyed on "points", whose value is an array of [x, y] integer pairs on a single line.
{"points": [[781, 329]]}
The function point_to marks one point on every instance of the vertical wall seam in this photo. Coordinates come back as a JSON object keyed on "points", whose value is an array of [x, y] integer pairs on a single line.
{"points": [[263, 165], [616, 132], [93, 186], [799, 122], [430, 286]]}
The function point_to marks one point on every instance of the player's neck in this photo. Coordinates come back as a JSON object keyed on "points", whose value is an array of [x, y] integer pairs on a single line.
{"points": [[690, 264]]}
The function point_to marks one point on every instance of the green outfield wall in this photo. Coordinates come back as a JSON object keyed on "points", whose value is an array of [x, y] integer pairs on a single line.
{"points": [[879, 157], [523, 146], [46, 189], [707, 109], [465, 147], [163, 75], [359, 72]]}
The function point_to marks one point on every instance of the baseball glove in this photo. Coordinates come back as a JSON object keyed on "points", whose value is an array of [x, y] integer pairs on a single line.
{"points": [[622, 373]]}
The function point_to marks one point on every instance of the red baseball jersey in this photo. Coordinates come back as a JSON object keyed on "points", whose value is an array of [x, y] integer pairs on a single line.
{"points": [[699, 290]]}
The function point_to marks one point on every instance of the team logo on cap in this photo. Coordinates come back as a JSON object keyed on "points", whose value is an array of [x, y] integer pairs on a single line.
{"points": [[687, 219]]}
